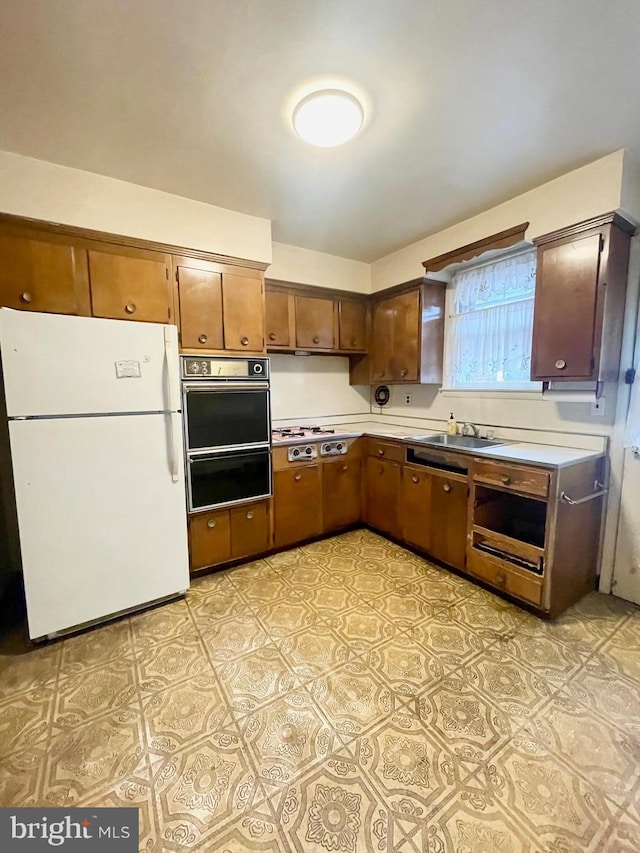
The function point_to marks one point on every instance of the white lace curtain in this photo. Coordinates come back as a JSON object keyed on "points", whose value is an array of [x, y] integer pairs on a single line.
{"points": [[491, 324]]}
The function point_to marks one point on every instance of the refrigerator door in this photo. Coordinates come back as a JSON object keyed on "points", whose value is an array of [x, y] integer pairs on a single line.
{"points": [[59, 365], [92, 543]]}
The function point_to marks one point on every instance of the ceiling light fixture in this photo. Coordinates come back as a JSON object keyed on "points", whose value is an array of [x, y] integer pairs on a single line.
{"points": [[328, 117]]}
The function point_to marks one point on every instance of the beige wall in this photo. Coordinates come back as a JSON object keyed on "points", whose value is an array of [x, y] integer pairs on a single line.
{"points": [[41, 190], [290, 263], [581, 194], [305, 388]]}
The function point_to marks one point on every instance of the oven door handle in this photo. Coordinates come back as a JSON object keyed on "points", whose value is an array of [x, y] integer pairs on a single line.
{"points": [[225, 386]]}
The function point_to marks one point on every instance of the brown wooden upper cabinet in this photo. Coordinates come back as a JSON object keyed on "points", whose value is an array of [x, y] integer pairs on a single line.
{"points": [[352, 325], [581, 282], [130, 284], [220, 310], [314, 322], [37, 275], [278, 324], [408, 336]]}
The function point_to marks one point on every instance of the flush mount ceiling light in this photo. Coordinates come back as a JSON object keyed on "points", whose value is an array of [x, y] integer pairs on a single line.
{"points": [[328, 117]]}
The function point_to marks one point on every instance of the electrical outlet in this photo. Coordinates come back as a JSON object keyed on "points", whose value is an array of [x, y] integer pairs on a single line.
{"points": [[407, 399], [597, 408]]}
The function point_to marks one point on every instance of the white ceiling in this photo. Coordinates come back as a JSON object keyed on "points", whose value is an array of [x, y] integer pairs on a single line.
{"points": [[471, 103]]}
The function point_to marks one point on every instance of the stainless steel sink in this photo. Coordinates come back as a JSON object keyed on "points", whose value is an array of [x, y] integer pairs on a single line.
{"points": [[468, 442]]}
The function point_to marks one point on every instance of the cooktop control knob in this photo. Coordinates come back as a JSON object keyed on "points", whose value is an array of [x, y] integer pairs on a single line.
{"points": [[295, 452], [339, 446], [308, 451]]}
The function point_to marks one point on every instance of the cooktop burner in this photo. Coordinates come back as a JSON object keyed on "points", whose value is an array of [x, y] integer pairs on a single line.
{"points": [[300, 432]]}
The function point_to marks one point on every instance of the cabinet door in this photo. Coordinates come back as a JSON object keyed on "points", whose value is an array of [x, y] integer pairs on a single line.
{"points": [[341, 488], [565, 309], [243, 312], [277, 314], [415, 508], [314, 323], [209, 539], [448, 520], [383, 491], [40, 276], [352, 325], [382, 341], [404, 360], [200, 294], [249, 530], [126, 287], [297, 502]]}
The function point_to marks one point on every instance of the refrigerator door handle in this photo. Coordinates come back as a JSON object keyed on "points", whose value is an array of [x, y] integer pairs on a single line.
{"points": [[176, 445], [172, 369]]}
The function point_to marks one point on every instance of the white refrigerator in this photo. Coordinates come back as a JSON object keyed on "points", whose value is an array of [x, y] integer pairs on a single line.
{"points": [[95, 436]]}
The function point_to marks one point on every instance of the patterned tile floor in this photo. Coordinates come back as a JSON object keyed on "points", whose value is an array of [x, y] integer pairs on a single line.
{"points": [[346, 696]]}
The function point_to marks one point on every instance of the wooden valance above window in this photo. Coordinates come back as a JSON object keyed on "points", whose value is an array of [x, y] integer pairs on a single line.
{"points": [[501, 240]]}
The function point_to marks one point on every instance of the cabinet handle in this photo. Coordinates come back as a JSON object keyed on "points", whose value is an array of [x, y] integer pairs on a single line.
{"points": [[353, 342], [501, 578], [560, 364], [447, 487], [415, 479], [202, 339], [211, 523], [130, 308], [250, 515], [380, 452], [344, 468], [272, 336], [403, 372], [26, 297], [381, 374], [316, 339], [297, 477], [505, 479], [244, 341]]}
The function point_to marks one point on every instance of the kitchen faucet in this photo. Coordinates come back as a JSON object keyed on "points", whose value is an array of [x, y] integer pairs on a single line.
{"points": [[474, 429]]}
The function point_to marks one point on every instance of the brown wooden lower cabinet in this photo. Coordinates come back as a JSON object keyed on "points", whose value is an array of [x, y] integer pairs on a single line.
{"points": [[449, 494], [342, 489], [415, 507], [249, 530], [297, 504], [209, 539], [382, 494], [228, 534]]}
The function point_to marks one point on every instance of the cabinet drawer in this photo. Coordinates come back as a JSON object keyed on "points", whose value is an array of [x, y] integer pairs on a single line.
{"points": [[209, 539], [385, 450], [532, 481], [502, 577], [249, 529]]}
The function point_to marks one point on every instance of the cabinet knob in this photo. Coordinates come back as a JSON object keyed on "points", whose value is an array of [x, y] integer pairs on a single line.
{"points": [[381, 374], [26, 297], [250, 514], [211, 523], [501, 578], [403, 372], [380, 452], [505, 479], [344, 468], [130, 308], [316, 339], [415, 479], [297, 477], [353, 342], [447, 487], [202, 339], [560, 364], [272, 336], [244, 341]]}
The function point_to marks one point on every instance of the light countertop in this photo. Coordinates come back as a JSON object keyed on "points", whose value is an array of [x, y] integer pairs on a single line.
{"points": [[547, 455]]}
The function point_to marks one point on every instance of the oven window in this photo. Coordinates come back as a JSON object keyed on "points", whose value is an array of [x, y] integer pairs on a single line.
{"points": [[225, 418], [225, 477]]}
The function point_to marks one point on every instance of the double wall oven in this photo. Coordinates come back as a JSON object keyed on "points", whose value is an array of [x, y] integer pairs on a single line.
{"points": [[227, 425]]}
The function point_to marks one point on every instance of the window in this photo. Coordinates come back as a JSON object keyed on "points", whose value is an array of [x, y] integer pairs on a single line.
{"points": [[490, 327]]}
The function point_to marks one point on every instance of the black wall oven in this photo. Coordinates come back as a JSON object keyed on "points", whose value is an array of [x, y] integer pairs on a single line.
{"points": [[227, 426]]}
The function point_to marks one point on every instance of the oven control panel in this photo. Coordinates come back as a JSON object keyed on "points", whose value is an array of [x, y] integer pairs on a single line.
{"points": [[302, 451], [206, 367], [333, 448]]}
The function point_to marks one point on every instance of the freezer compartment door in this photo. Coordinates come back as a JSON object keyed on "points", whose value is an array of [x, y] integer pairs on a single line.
{"points": [[59, 365], [102, 522]]}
